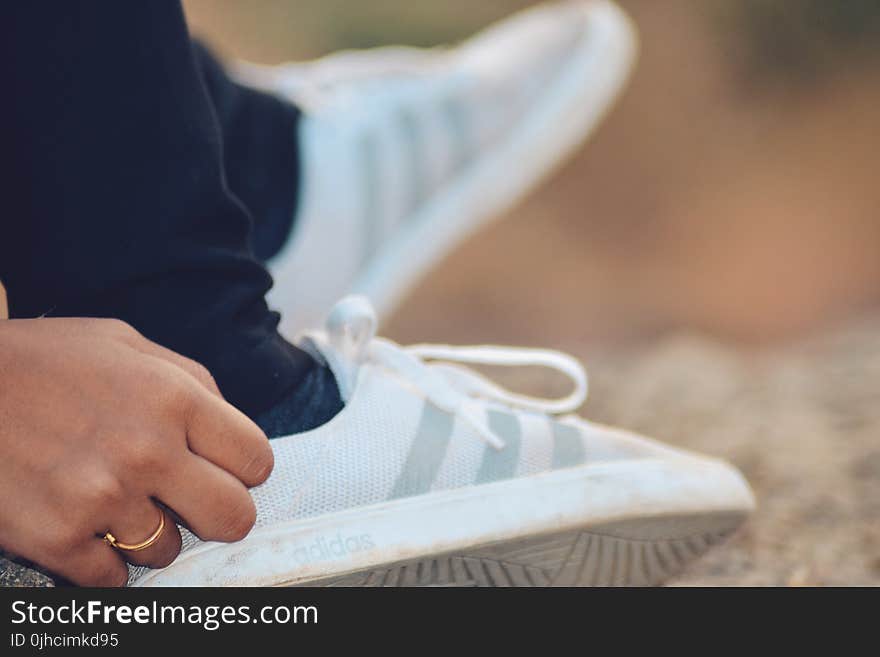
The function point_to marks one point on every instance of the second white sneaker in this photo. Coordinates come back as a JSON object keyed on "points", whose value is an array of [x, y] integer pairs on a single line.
{"points": [[433, 475], [406, 152]]}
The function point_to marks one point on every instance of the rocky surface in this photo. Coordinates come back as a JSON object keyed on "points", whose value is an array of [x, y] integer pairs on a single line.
{"points": [[803, 424]]}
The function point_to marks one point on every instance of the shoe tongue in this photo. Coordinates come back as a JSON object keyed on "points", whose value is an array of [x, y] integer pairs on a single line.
{"points": [[351, 326], [343, 344]]}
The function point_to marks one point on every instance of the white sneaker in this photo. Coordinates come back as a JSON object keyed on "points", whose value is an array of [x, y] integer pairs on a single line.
{"points": [[433, 475], [406, 152]]}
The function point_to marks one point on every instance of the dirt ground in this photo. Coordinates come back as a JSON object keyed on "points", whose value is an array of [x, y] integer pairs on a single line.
{"points": [[800, 422]]}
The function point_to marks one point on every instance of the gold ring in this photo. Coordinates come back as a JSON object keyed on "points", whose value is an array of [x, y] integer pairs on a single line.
{"points": [[143, 545]]}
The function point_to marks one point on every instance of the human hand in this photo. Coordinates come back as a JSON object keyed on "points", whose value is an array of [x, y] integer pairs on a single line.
{"points": [[97, 425]]}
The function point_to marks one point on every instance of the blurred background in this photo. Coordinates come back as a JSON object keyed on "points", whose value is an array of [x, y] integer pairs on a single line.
{"points": [[712, 254]]}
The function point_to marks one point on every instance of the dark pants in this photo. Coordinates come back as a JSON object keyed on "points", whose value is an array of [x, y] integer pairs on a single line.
{"points": [[142, 184]]}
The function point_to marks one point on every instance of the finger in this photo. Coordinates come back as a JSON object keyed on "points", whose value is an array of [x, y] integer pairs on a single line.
{"points": [[220, 433], [139, 521], [94, 563], [212, 503]]}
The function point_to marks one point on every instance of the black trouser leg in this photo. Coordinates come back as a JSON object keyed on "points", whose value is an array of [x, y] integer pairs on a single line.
{"points": [[115, 202], [260, 152]]}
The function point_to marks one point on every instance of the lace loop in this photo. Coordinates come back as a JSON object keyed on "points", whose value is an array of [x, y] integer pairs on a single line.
{"points": [[437, 371], [511, 357]]}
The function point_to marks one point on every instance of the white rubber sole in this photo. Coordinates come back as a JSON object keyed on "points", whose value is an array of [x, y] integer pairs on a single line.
{"points": [[570, 109], [619, 523]]}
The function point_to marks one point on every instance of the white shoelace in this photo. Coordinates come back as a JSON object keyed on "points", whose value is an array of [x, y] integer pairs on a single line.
{"points": [[350, 332]]}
